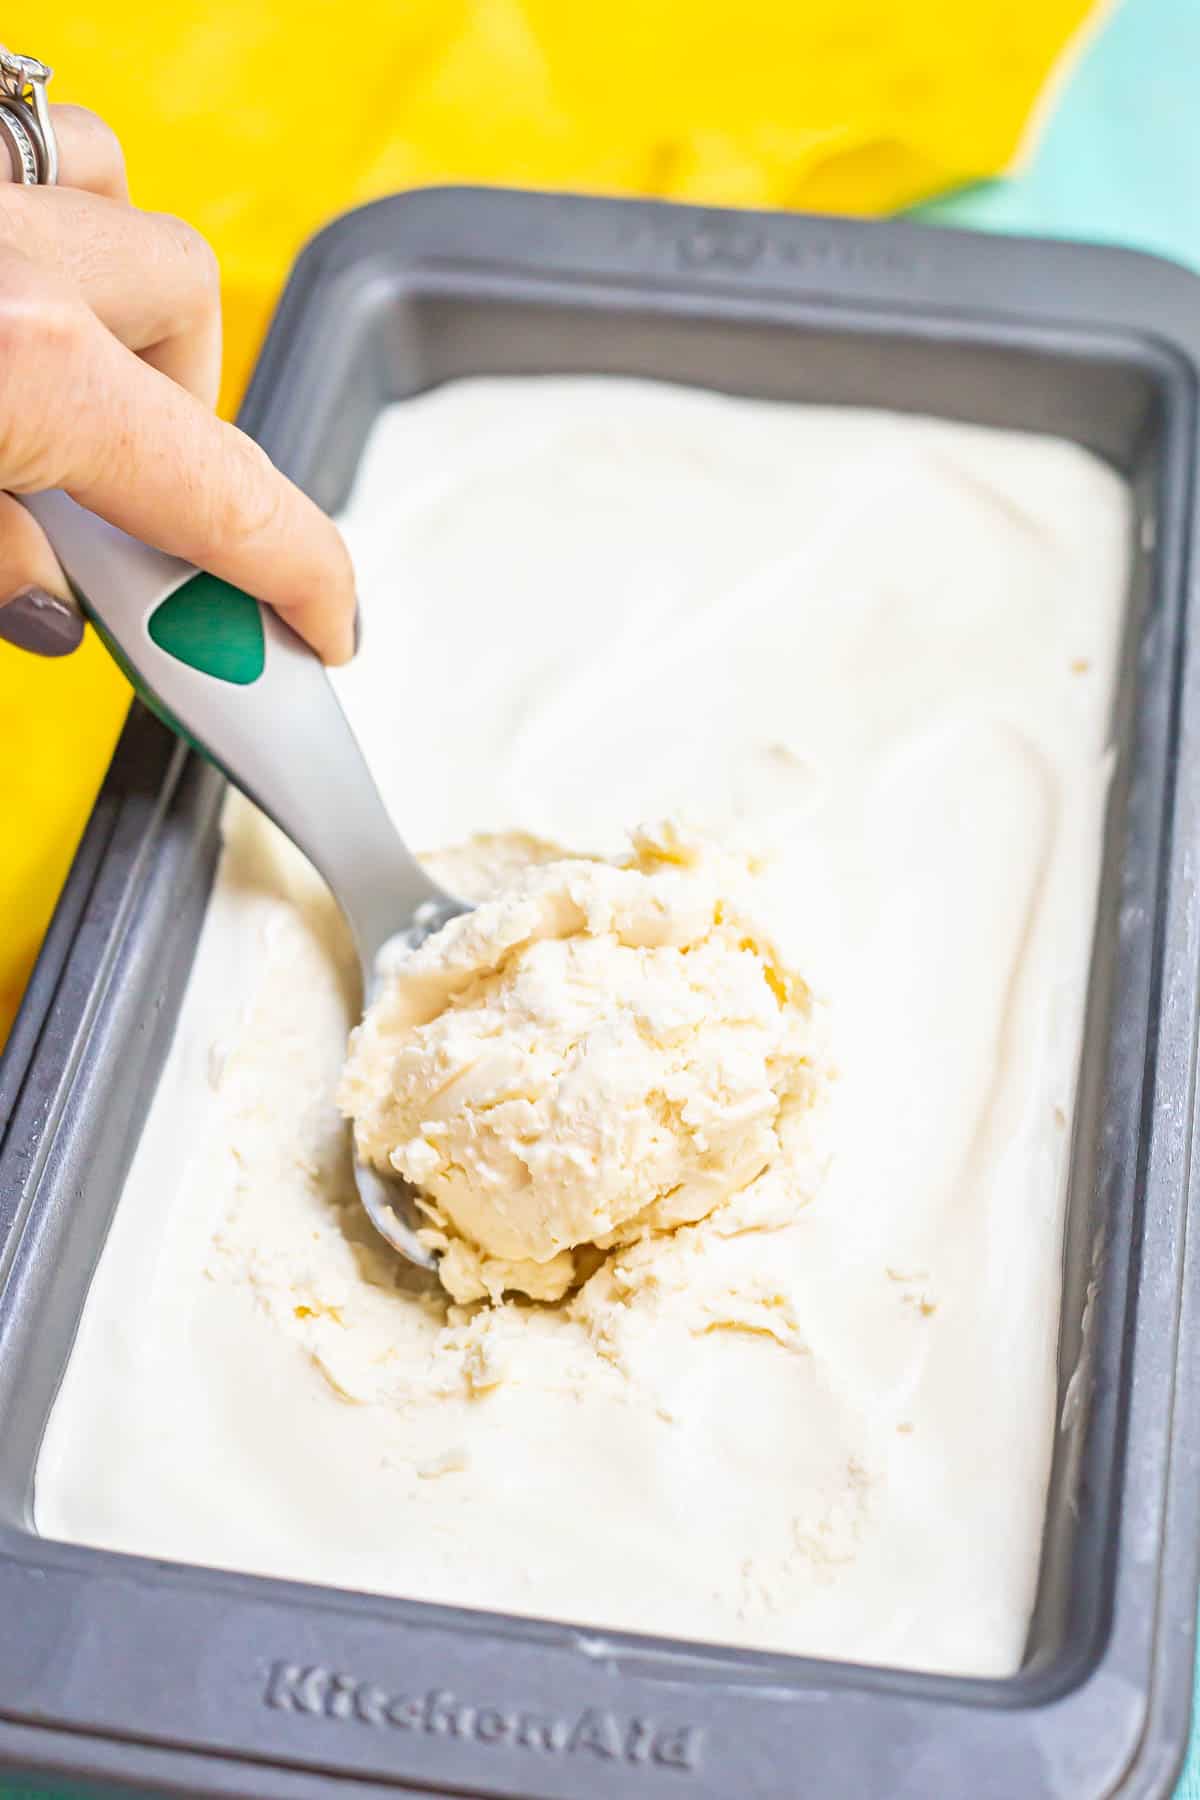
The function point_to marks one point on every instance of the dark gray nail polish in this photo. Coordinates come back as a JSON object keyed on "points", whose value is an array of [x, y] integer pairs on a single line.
{"points": [[357, 627], [35, 620]]}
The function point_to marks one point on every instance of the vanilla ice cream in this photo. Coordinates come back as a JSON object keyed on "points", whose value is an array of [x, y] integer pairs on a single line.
{"points": [[599, 1052], [875, 655]]}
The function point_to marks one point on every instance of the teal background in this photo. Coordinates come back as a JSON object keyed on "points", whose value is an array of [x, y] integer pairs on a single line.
{"points": [[1119, 163]]}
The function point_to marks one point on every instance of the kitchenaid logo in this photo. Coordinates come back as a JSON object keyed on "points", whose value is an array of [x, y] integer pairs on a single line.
{"points": [[597, 1733], [725, 240]]}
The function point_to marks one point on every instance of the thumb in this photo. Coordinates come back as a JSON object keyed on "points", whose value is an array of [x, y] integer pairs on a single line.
{"points": [[37, 611]]}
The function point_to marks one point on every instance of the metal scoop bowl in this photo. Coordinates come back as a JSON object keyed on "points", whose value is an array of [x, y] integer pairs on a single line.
{"points": [[237, 684]]}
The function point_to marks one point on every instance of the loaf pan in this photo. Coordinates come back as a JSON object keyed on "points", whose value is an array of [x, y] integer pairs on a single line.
{"points": [[119, 1671]]}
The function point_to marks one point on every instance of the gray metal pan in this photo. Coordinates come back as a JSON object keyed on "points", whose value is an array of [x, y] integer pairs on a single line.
{"points": [[119, 1670]]}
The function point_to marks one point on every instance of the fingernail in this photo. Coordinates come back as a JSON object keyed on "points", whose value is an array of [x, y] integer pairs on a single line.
{"points": [[357, 628], [35, 620]]}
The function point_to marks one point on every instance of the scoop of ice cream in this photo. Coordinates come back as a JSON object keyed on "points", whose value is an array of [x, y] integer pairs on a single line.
{"points": [[603, 1049]]}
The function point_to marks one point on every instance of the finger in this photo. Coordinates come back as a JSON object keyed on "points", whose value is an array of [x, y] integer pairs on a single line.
{"points": [[37, 611], [145, 454], [149, 278], [89, 153]]}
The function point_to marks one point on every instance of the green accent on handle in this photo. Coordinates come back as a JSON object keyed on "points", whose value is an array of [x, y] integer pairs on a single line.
{"points": [[212, 627]]}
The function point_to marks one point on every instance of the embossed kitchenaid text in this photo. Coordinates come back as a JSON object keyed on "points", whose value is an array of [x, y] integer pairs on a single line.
{"points": [[597, 1731], [741, 241]]}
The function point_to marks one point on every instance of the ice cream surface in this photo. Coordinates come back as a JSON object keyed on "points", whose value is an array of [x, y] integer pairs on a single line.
{"points": [[875, 654], [600, 1052]]}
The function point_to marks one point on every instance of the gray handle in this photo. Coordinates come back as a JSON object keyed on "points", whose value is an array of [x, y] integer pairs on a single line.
{"points": [[231, 677]]}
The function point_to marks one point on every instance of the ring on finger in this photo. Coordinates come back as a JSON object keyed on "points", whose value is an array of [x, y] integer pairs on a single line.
{"points": [[16, 128], [25, 121]]}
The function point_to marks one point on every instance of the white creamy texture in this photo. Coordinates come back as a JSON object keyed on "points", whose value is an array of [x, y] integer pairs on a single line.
{"points": [[604, 1049], [881, 650]]}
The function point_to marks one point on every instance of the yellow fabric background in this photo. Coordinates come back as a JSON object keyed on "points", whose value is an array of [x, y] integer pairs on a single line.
{"points": [[259, 121]]}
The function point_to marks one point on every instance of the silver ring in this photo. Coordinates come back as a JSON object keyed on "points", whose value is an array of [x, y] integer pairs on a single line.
{"points": [[22, 150], [25, 121]]}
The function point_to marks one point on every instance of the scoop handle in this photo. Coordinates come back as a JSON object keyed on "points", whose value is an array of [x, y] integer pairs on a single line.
{"points": [[228, 675]]}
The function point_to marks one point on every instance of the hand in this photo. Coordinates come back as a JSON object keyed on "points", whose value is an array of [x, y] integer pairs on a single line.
{"points": [[110, 346]]}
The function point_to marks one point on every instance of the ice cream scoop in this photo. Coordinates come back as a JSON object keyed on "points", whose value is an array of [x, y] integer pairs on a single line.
{"points": [[241, 687], [601, 1051]]}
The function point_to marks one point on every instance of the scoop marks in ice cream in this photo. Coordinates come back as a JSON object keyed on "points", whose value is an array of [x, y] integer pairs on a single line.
{"points": [[605, 1050], [878, 654]]}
